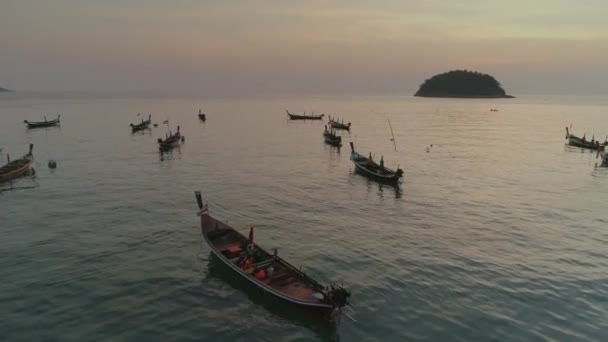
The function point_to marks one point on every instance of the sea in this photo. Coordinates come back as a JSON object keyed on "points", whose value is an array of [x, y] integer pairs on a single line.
{"points": [[498, 232]]}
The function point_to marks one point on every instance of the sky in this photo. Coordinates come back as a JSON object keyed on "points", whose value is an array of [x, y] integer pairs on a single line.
{"points": [[248, 47]]}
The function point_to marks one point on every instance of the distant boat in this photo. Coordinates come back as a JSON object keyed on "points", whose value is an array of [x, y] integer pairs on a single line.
{"points": [[304, 116], [45, 123], [575, 141], [171, 140], [16, 168], [202, 115], [331, 138], [143, 125], [267, 271], [374, 170], [338, 124]]}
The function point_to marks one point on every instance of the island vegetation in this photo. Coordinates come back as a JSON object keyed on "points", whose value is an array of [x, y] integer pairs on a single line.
{"points": [[462, 83]]}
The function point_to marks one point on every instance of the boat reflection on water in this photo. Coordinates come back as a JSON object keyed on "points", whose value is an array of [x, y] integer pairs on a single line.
{"points": [[382, 189], [170, 154], [324, 329]]}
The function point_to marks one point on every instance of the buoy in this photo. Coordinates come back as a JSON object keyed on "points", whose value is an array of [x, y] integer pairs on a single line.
{"points": [[52, 164]]}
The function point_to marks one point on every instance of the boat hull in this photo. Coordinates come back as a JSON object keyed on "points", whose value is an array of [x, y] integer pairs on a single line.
{"points": [[394, 179], [18, 172], [336, 125], [317, 307], [577, 142], [42, 124]]}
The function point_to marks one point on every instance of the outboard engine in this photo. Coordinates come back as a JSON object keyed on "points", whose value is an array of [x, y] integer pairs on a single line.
{"points": [[337, 295]]}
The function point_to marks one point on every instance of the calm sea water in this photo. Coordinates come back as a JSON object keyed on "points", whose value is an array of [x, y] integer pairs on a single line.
{"points": [[499, 231]]}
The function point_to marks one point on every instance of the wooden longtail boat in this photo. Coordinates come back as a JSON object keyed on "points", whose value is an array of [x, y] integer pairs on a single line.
{"points": [[45, 123], [373, 170], [575, 141], [265, 270], [202, 115], [338, 124], [304, 116], [143, 125], [171, 140], [17, 167], [331, 138]]}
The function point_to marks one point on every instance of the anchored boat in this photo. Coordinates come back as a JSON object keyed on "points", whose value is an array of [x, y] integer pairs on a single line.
{"points": [[202, 115], [575, 141], [331, 138], [267, 270], [171, 140], [16, 168], [338, 124], [304, 116], [373, 170], [143, 125], [45, 123]]}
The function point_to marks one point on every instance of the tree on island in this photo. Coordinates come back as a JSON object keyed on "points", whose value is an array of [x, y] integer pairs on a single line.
{"points": [[461, 83]]}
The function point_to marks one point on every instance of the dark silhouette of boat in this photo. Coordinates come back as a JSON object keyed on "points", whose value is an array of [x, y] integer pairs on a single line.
{"points": [[593, 144], [304, 116], [16, 168], [331, 138], [267, 271], [338, 124], [171, 140], [373, 170], [202, 115], [145, 124], [45, 123]]}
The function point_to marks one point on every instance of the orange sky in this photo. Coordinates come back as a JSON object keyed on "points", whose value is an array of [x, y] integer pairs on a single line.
{"points": [[268, 46]]}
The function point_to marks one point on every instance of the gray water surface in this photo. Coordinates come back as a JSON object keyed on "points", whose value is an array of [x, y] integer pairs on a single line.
{"points": [[499, 231]]}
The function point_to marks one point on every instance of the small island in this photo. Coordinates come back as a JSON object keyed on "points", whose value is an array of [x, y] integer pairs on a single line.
{"points": [[5, 90], [462, 84]]}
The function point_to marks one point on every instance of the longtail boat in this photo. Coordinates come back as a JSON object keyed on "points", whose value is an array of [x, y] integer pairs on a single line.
{"points": [[143, 125], [267, 271], [16, 168], [304, 116], [202, 115], [171, 140], [45, 123], [338, 124], [331, 138], [371, 169], [575, 141]]}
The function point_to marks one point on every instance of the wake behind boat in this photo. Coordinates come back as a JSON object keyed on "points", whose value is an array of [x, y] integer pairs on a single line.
{"points": [[45, 123], [143, 125], [16, 168], [374, 170], [304, 116], [267, 271]]}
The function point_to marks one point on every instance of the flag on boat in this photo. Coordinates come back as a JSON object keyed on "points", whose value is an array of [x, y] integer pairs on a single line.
{"points": [[204, 210]]}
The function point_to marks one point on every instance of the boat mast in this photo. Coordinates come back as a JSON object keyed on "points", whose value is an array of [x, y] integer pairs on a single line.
{"points": [[392, 134]]}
